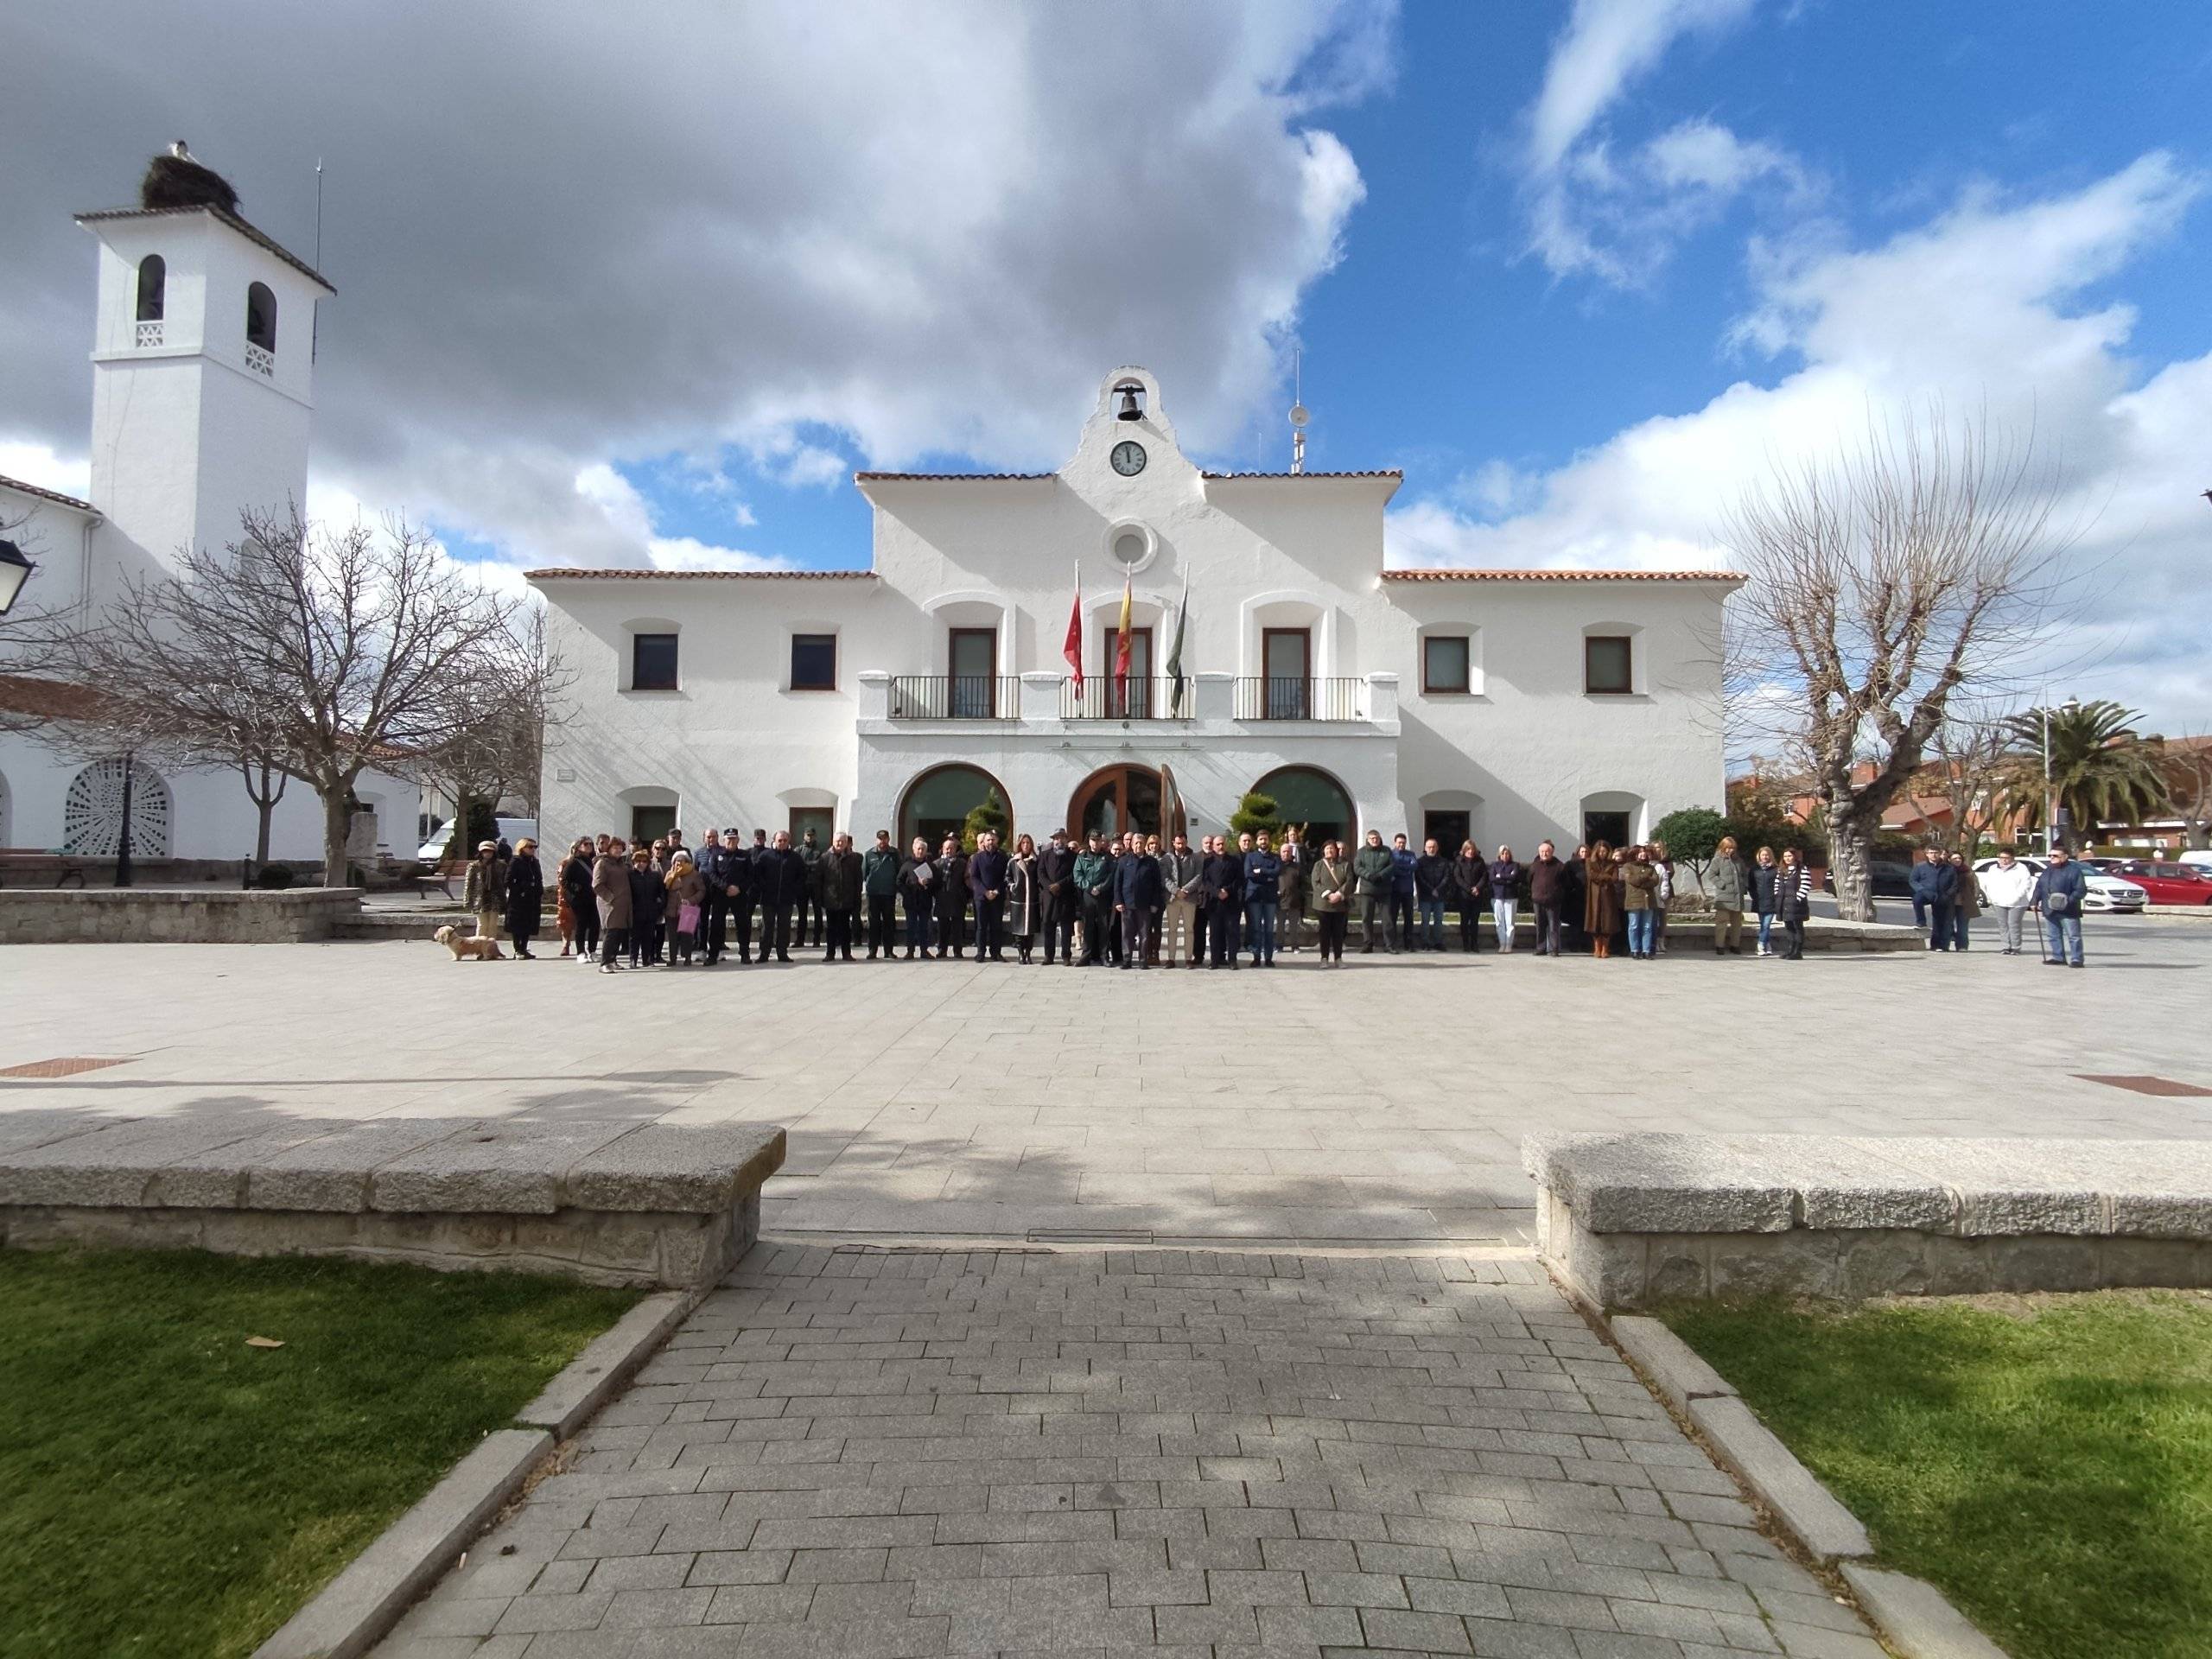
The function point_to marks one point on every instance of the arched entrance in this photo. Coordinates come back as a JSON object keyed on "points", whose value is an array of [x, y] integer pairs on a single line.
{"points": [[937, 803], [1308, 796], [1128, 799], [91, 812]]}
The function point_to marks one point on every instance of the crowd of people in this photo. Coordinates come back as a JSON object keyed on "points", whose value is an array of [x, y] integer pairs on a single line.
{"points": [[1947, 895], [1128, 901]]}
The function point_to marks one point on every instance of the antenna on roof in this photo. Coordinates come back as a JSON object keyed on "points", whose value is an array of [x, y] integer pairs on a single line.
{"points": [[1300, 415], [318, 213]]}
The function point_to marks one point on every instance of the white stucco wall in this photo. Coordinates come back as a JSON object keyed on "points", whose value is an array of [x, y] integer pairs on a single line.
{"points": [[1524, 752]]}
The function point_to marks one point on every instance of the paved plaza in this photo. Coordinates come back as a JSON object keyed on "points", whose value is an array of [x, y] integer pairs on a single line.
{"points": [[1380, 1104], [1102, 1311], [860, 1452]]}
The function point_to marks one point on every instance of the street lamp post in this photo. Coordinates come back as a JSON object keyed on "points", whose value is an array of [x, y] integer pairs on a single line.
{"points": [[2050, 795], [15, 570]]}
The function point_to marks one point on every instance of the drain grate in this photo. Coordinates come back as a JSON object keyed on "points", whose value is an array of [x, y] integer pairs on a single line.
{"points": [[67, 1067], [2162, 1086]]}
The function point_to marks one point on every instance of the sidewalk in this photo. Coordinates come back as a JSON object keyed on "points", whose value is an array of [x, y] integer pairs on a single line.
{"points": [[862, 1452]]}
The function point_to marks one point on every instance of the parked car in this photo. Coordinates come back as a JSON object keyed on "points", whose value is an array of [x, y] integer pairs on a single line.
{"points": [[510, 830], [2167, 884], [2196, 860], [2105, 893], [1890, 879]]}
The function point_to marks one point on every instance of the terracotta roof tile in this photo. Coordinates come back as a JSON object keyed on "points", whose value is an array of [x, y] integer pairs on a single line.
{"points": [[18, 484], [950, 478], [700, 576], [1562, 576], [259, 237], [20, 693]]}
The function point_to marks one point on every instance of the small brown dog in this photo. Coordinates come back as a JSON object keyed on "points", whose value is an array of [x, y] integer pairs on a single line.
{"points": [[466, 948]]}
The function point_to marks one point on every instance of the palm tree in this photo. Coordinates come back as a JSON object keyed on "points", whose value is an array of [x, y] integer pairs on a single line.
{"points": [[2101, 771]]}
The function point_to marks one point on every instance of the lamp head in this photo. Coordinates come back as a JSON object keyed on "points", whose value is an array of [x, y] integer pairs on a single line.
{"points": [[15, 570]]}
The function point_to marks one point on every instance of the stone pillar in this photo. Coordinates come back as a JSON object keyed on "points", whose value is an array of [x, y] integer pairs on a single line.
{"points": [[1216, 697], [1040, 697], [875, 694], [1382, 700]]}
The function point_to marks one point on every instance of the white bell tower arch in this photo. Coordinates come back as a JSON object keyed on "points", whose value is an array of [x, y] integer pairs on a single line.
{"points": [[203, 378]]}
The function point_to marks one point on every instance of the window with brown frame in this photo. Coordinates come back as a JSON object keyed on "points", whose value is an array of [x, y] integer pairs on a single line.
{"points": [[1444, 659], [814, 662], [652, 662], [1608, 667]]}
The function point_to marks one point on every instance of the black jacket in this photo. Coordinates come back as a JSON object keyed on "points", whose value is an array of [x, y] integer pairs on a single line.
{"points": [[837, 880], [1433, 877], [1765, 888], [1472, 877], [952, 884], [1504, 880], [912, 881], [1056, 876], [575, 882], [645, 903], [1547, 882], [779, 878], [1137, 883], [1225, 875], [525, 893]]}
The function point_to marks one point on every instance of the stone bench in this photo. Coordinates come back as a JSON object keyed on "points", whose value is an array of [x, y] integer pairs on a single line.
{"points": [[1631, 1219], [612, 1203], [172, 916]]}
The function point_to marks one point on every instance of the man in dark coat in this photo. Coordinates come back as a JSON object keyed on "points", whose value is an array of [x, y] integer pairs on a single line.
{"points": [[1138, 895], [747, 900], [1433, 889], [837, 884], [526, 896], [810, 900], [779, 882], [952, 866], [1225, 901], [1056, 887], [987, 886], [1548, 880], [711, 860]]}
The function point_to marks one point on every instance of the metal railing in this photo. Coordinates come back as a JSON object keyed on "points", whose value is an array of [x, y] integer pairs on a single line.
{"points": [[943, 696], [1149, 698], [1264, 697]]}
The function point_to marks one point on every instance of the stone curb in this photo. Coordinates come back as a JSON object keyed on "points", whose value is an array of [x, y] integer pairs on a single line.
{"points": [[1914, 1618], [357, 1608], [367, 1600], [1912, 1615], [611, 1360]]}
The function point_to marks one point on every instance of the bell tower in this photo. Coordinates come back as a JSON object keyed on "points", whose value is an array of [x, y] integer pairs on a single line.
{"points": [[203, 372]]}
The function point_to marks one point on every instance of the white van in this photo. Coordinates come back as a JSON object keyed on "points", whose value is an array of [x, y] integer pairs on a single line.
{"points": [[2202, 860]]}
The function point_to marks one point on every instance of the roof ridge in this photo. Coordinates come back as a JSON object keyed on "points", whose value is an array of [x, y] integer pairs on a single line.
{"points": [[634, 574], [44, 493], [252, 233], [1535, 572]]}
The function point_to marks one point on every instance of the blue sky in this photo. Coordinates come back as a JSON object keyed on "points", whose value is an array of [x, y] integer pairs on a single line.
{"points": [[648, 294]]}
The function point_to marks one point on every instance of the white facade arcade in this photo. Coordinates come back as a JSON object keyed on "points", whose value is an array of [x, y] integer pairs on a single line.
{"points": [[203, 369], [1508, 705]]}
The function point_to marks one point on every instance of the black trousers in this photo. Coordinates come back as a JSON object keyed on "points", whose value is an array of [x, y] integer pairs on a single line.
{"points": [[918, 922], [951, 930], [587, 933], [838, 928], [713, 923], [1549, 933], [1220, 931], [1200, 919], [990, 928], [883, 922], [776, 932], [1373, 905], [1793, 927], [615, 944], [1333, 923], [1137, 923], [1059, 924], [524, 933], [1471, 916], [1098, 944], [1401, 920], [741, 910]]}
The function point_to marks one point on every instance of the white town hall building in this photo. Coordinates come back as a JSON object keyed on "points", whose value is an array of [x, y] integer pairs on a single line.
{"points": [[1504, 705]]}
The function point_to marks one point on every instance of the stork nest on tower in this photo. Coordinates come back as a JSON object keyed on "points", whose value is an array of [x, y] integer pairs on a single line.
{"points": [[173, 181]]}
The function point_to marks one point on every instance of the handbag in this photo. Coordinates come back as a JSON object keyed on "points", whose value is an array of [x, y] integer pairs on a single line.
{"points": [[687, 919]]}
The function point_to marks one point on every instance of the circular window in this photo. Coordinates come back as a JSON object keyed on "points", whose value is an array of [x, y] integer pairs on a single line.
{"points": [[1132, 546]]}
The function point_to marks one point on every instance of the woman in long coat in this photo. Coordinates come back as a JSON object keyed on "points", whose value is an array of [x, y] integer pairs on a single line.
{"points": [[1290, 888], [610, 886], [1024, 914], [683, 904], [583, 926], [1601, 899], [525, 895]]}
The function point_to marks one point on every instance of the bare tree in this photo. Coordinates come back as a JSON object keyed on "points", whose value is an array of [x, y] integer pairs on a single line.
{"points": [[2188, 762], [1971, 760], [498, 750], [1885, 581], [314, 653]]}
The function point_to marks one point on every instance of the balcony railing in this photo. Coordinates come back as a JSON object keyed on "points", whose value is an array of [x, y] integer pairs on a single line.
{"points": [[149, 333], [260, 360], [940, 697], [1105, 698], [1262, 697]]}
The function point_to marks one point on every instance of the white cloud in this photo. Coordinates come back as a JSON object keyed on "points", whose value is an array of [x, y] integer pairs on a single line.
{"points": [[1618, 214], [898, 231], [628, 514], [1974, 309], [43, 464]]}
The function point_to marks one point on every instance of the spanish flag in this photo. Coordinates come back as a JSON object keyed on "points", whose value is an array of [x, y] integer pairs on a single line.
{"points": [[1122, 646]]}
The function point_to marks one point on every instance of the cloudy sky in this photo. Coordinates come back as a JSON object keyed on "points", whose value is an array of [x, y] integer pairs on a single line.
{"points": [[643, 286]]}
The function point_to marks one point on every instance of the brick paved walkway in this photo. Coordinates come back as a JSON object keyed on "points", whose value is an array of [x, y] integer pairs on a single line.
{"points": [[880, 1453]]}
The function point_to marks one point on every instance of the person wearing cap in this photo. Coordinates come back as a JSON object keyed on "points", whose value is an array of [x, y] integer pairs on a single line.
{"points": [[485, 891], [526, 897]]}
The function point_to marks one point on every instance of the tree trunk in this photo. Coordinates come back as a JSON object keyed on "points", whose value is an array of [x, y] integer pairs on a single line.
{"points": [[1851, 853], [337, 830], [266, 807]]}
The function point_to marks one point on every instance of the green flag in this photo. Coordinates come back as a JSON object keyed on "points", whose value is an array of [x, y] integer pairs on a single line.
{"points": [[1175, 652]]}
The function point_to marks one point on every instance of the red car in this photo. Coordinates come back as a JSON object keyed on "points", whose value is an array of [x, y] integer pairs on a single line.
{"points": [[2167, 884]]}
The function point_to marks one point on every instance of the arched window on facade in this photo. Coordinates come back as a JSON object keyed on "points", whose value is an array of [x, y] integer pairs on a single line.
{"points": [[938, 803], [1308, 796], [260, 316], [153, 287], [93, 810]]}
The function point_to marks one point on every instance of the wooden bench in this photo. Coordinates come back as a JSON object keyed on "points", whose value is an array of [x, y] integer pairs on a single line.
{"points": [[68, 871]]}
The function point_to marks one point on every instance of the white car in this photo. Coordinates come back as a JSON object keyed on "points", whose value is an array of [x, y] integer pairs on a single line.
{"points": [[2105, 893]]}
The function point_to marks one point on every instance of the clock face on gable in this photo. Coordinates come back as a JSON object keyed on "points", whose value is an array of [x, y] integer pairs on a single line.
{"points": [[1129, 458]]}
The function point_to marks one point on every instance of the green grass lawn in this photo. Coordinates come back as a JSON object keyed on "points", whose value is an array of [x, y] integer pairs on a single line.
{"points": [[2046, 1461], [166, 1490]]}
